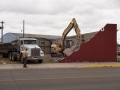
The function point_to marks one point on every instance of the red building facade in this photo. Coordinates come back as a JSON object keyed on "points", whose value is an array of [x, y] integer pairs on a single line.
{"points": [[100, 48]]}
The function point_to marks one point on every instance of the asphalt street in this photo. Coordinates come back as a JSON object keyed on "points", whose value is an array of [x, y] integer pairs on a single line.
{"points": [[60, 79]]}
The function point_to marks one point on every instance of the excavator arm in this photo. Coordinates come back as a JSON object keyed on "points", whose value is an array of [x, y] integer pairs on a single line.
{"points": [[73, 24], [57, 49]]}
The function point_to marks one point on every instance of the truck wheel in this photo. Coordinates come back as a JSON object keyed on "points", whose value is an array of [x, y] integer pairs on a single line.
{"points": [[4, 55], [40, 61], [10, 56]]}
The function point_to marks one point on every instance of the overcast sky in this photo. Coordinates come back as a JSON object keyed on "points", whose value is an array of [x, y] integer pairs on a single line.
{"points": [[51, 17]]}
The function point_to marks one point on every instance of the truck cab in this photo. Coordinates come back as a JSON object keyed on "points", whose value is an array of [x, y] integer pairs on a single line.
{"points": [[15, 49], [34, 51]]}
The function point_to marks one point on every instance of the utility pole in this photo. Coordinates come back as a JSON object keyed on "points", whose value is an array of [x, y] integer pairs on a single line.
{"points": [[23, 33], [2, 31], [23, 28], [24, 59]]}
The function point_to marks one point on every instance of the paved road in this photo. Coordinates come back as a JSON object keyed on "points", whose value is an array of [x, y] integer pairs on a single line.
{"points": [[60, 79]]}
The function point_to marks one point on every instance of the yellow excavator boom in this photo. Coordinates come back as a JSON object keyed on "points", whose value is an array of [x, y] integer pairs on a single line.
{"points": [[72, 24]]}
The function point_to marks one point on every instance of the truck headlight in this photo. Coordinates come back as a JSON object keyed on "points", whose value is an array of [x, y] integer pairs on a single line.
{"points": [[41, 53]]}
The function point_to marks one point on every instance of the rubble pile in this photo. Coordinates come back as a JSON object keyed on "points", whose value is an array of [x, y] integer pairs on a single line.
{"points": [[69, 51], [56, 59]]}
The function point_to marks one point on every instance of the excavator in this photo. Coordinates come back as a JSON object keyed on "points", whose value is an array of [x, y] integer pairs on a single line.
{"points": [[57, 49]]}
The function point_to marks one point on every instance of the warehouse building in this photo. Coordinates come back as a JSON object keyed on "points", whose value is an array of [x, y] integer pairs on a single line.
{"points": [[73, 40], [45, 41]]}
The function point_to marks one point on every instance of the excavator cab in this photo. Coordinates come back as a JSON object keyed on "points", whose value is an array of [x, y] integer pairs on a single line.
{"points": [[69, 43]]}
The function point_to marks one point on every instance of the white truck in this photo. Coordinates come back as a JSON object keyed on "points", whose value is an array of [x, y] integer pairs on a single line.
{"points": [[14, 49]]}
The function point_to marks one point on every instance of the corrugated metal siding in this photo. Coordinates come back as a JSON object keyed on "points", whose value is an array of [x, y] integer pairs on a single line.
{"points": [[47, 50], [47, 43], [74, 39], [8, 37], [42, 48]]}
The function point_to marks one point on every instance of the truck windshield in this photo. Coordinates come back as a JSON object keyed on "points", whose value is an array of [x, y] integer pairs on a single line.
{"points": [[29, 42]]}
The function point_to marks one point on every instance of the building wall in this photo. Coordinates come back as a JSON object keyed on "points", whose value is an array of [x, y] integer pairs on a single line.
{"points": [[87, 37], [45, 45]]}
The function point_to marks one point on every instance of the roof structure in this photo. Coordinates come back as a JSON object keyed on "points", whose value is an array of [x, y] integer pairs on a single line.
{"points": [[37, 36], [14, 36], [50, 36], [91, 34]]}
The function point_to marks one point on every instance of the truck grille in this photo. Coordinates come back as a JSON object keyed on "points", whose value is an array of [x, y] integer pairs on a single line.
{"points": [[35, 52]]}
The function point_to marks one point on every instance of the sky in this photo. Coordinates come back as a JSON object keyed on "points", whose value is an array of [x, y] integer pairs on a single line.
{"points": [[51, 17]]}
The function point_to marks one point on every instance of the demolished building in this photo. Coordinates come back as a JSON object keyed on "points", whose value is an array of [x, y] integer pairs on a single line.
{"points": [[100, 48]]}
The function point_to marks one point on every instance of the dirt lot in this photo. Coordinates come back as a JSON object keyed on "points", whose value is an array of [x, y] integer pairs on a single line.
{"points": [[47, 59], [7, 61]]}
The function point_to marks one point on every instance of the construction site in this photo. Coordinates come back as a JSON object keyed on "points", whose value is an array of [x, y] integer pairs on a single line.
{"points": [[100, 46]]}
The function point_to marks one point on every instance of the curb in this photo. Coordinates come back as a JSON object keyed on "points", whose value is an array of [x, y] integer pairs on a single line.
{"points": [[100, 66]]}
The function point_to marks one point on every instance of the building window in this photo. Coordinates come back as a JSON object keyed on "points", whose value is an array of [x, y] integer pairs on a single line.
{"points": [[42, 42]]}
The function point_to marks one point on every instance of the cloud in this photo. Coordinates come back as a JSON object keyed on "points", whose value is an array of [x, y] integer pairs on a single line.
{"points": [[53, 16]]}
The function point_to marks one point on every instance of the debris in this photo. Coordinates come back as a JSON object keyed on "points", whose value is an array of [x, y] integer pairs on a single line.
{"points": [[69, 51]]}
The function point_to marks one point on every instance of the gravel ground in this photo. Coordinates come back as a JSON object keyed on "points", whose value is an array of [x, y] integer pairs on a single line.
{"points": [[47, 59], [7, 61]]}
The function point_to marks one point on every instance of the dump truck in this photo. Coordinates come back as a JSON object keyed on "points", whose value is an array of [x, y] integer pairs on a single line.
{"points": [[14, 49]]}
